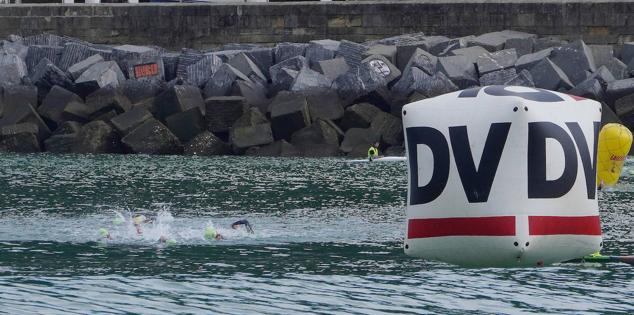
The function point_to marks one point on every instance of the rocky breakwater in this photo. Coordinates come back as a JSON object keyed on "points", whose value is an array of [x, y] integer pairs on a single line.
{"points": [[323, 98]]}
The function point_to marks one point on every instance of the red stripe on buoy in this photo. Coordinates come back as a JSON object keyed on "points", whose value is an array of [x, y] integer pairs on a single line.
{"points": [[552, 225], [478, 226]]}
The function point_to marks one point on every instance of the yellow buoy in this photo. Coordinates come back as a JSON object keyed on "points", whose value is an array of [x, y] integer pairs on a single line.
{"points": [[614, 143]]}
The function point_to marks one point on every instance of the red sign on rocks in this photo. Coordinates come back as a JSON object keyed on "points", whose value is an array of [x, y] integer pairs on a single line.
{"points": [[146, 70]]}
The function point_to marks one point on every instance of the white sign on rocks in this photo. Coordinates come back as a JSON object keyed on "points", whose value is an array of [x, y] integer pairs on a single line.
{"points": [[380, 67]]}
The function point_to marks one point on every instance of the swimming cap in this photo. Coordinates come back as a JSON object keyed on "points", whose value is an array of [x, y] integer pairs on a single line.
{"points": [[170, 242], [139, 219], [117, 221], [103, 232], [210, 233]]}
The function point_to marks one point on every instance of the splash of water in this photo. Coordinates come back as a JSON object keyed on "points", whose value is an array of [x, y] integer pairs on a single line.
{"points": [[161, 228]]}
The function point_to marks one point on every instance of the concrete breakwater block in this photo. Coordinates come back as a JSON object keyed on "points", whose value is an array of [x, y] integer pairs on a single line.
{"points": [[199, 72], [284, 51], [522, 46], [459, 70], [222, 81], [170, 65], [604, 75], [324, 104], [435, 85], [624, 105], [351, 52], [472, 53], [529, 60], [14, 96], [619, 88], [187, 124], [246, 66], [125, 53], [602, 54], [19, 138], [383, 67], [359, 116], [499, 77], [152, 137], [627, 52], [575, 59], [97, 137], [590, 88], [46, 75], [12, 69], [186, 58], [388, 127], [263, 58], [404, 52], [99, 75], [137, 91], [206, 144], [320, 50], [223, 111], [76, 69], [496, 40], [278, 148], [14, 48], [441, 45], [77, 111], [317, 140], [409, 81], [548, 75], [63, 143], [178, 98], [281, 78], [67, 127], [289, 113], [523, 78], [44, 39], [16, 113], [72, 54], [254, 95], [357, 141], [308, 79], [422, 60], [387, 51], [37, 52], [252, 129], [106, 99], [332, 68], [126, 122], [358, 82], [54, 105], [495, 61]]}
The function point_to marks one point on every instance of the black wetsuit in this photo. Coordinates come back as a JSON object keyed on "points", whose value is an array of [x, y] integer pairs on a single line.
{"points": [[244, 222]]}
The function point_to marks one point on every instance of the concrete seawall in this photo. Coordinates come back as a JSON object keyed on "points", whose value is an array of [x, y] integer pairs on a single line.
{"points": [[207, 25]]}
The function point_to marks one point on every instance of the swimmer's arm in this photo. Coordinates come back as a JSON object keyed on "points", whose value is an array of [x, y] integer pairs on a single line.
{"points": [[244, 222]]}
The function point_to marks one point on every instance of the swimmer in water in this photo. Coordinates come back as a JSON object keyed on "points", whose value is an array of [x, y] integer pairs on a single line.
{"points": [[138, 220], [212, 234], [167, 241], [105, 234], [247, 225]]}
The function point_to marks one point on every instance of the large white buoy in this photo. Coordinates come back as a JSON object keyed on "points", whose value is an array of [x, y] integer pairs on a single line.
{"points": [[502, 176]]}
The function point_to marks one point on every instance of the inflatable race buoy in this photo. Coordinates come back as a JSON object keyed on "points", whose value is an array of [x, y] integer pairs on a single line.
{"points": [[615, 141], [502, 176]]}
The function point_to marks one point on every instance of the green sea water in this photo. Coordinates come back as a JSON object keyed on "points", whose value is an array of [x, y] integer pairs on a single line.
{"points": [[328, 237]]}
